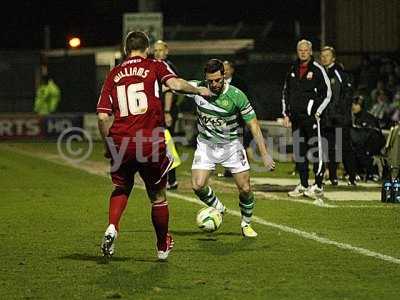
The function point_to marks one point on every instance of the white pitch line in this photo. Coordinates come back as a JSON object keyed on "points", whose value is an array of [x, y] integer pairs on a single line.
{"points": [[301, 233], [325, 205], [271, 196], [308, 202], [366, 206], [304, 234], [312, 236]]}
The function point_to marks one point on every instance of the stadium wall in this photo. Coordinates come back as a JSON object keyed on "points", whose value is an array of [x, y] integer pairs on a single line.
{"points": [[19, 75], [358, 27]]}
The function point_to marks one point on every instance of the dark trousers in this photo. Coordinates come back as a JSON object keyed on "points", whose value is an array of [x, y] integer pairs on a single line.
{"points": [[349, 158], [305, 148], [340, 150], [333, 159]]}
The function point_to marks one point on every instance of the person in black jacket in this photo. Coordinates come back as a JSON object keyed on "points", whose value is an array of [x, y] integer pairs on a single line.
{"points": [[366, 137], [234, 79], [306, 94], [337, 117]]}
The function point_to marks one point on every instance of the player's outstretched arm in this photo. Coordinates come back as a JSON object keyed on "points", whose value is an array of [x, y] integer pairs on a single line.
{"points": [[181, 85], [262, 148]]}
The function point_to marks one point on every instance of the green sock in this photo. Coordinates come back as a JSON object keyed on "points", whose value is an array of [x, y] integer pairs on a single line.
{"points": [[246, 204], [207, 195]]}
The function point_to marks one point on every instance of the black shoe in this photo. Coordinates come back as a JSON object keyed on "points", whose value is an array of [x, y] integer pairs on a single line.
{"points": [[173, 186], [351, 183], [334, 182], [372, 177]]}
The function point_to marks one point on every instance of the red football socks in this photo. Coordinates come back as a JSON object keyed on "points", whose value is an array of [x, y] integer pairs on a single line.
{"points": [[118, 203], [160, 217]]}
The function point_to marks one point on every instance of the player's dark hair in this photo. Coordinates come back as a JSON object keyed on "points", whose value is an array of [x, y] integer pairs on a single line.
{"points": [[136, 40], [214, 65]]}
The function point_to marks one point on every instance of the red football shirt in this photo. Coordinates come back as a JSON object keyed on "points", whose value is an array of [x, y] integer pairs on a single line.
{"points": [[131, 93]]}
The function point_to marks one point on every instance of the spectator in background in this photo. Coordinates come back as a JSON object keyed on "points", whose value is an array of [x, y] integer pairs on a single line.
{"points": [[392, 85], [362, 91], [387, 83], [161, 52], [233, 79], [394, 110], [367, 139], [368, 73], [337, 116], [380, 87], [360, 116], [47, 97], [396, 100], [397, 70], [380, 109]]}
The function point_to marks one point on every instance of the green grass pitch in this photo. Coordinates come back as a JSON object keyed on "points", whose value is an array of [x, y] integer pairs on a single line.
{"points": [[53, 216]]}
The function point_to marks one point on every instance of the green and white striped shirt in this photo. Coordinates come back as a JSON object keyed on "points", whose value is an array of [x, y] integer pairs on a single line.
{"points": [[218, 119]]}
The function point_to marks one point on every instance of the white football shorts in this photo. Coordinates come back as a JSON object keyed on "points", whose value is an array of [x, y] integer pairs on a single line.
{"points": [[230, 155]]}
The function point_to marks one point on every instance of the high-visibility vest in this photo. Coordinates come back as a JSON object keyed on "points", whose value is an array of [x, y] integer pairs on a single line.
{"points": [[47, 98], [171, 148]]}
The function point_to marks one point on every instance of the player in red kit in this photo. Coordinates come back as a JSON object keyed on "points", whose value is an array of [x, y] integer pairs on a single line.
{"points": [[135, 137]]}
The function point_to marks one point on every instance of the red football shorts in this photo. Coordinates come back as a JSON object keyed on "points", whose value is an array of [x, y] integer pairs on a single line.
{"points": [[152, 169]]}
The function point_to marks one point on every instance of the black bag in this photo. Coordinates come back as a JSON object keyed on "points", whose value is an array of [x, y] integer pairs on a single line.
{"points": [[375, 142]]}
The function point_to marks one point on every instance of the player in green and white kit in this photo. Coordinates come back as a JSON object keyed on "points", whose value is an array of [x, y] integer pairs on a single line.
{"points": [[218, 141]]}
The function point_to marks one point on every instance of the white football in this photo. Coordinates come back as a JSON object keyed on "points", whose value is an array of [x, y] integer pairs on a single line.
{"points": [[209, 219]]}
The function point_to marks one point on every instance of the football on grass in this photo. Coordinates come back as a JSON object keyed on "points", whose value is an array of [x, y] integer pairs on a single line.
{"points": [[209, 219]]}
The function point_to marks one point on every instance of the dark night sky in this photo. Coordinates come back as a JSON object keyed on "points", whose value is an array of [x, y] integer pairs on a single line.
{"points": [[99, 22]]}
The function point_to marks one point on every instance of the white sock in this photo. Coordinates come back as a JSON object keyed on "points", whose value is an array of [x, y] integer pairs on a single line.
{"points": [[245, 221], [219, 206]]}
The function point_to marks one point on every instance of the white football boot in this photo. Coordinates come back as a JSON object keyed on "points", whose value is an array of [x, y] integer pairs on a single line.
{"points": [[108, 243], [163, 254], [298, 191]]}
